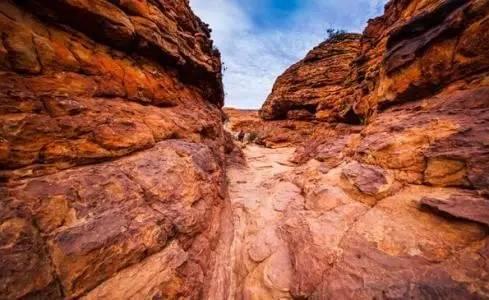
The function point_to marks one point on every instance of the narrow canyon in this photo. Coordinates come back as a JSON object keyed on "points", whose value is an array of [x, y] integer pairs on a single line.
{"points": [[364, 175]]}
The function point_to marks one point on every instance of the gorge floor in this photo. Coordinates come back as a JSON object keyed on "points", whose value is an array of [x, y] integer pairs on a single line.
{"points": [[302, 230], [260, 260]]}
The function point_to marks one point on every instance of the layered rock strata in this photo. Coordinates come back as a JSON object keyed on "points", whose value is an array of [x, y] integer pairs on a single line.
{"points": [[111, 150], [393, 210], [396, 208], [411, 52], [112, 159], [315, 82], [246, 126]]}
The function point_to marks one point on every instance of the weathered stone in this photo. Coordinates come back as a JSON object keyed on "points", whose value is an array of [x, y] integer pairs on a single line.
{"points": [[315, 83], [411, 52], [368, 183], [465, 206], [272, 134], [100, 197], [395, 208], [26, 267], [158, 277], [112, 156]]}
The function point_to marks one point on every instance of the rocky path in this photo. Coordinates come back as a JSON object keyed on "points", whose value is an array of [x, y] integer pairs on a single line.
{"points": [[308, 230], [260, 262]]}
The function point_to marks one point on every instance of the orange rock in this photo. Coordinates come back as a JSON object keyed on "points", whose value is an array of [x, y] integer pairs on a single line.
{"points": [[314, 84], [112, 156], [396, 208], [97, 188]]}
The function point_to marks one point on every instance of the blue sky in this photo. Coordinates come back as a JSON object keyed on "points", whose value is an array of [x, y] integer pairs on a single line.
{"points": [[259, 39]]}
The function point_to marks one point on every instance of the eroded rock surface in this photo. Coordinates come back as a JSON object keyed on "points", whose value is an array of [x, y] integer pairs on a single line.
{"points": [[246, 126], [411, 52], [111, 150], [112, 156], [351, 232], [396, 207], [315, 83], [259, 258]]}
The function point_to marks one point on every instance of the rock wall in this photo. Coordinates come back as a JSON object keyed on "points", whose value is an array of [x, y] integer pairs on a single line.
{"points": [[413, 51], [111, 150], [397, 208], [247, 126], [314, 83], [418, 48]]}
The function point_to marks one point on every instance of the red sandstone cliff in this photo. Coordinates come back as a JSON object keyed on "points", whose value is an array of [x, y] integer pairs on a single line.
{"points": [[112, 159], [413, 51], [397, 208], [314, 83], [111, 150]]}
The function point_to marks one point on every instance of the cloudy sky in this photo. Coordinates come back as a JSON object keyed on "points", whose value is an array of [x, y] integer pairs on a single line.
{"points": [[259, 39]]}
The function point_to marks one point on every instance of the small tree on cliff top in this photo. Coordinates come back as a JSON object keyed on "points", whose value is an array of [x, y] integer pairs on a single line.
{"points": [[335, 33]]}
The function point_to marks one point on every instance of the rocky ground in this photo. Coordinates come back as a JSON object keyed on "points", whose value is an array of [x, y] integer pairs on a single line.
{"points": [[259, 257], [335, 227], [363, 176]]}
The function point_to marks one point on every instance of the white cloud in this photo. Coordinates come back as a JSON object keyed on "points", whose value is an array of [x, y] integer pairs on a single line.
{"points": [[255, 56], [225, 17]]}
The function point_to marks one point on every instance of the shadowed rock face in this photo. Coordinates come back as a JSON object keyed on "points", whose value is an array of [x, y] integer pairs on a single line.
{"points": [[111, 150]]}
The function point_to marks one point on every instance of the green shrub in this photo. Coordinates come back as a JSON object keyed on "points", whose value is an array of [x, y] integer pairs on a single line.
{"points": [[334, 33]]}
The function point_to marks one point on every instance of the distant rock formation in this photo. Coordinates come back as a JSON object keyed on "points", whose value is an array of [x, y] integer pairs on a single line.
{"points": [[415, 50], [315, 83], [275, 133], [111, 150]]}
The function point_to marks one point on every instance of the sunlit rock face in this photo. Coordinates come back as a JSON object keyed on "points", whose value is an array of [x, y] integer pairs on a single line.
{"points": [[395, 206], [111, 150], [314, 83], [415, 50], [418, 48]]}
